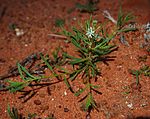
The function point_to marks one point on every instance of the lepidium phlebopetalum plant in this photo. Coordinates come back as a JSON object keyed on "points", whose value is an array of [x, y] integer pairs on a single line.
{"points": [[93, 46]]}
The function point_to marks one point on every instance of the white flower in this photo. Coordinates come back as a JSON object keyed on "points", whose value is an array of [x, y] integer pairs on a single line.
{"points": [[90, 32], [147, 27]]}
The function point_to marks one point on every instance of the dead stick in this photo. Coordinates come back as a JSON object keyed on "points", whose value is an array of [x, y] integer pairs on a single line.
{"points": [[57, 36]]}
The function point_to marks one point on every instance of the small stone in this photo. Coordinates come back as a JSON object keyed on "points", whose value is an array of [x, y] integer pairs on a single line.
{"points": [[46, 107], [26, 45], [52, 99], [37, 102], [74, 18], [66, 109], [143, 105], [59, 106], [42, 95], [19, 32], [65, 93], [129, 105]]}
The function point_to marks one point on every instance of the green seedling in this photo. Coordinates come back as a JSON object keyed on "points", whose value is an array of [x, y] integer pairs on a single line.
{"points": [[13, 113], [55, 64], [59, 22], [124, 19], [12, 26], [89, 7], [26, 77], [145, 70], [92, 48], [136, 73], [31, 116], [51, 116], [122, 24], [126, 90], [58, 58]]}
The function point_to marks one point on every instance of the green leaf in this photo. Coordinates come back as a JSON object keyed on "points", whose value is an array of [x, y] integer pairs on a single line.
{"points": [[67, 83], [20, 71], [88, 103], [88, 23], [59, 22], [86, 73], [127, 30], [20, 67], [136, 73], [103, 43], [9, 112], [94, 86], [66, 33], [48, 65], [75, 43], [66, 55], [61, 69], [129, 17], [16, 86], [80, 91], [93, 71], [14, 83], [55, 54], [107, 47], [13, 113], [88, 7], [78, 60], [120, 18], [74, 74]]}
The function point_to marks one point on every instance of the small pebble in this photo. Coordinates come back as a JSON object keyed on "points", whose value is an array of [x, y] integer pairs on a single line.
{"points": [[19, 32], [59, 106], [74, 18], [42, 95], [143, 105], [66, 109], [52, 99], [65, 93], [46, 107], [129, 105], [37, 102], [26, 45]]}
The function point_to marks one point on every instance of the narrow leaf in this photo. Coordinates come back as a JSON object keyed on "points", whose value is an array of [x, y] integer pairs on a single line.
{"points": [[80, 91], [20, 71], [48, 65], [25, 70], [68, 84]]}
